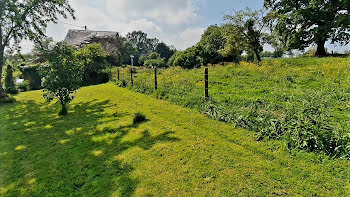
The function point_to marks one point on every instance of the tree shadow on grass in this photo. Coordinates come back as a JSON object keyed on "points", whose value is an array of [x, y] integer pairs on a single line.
{"points": [[45, 154]]}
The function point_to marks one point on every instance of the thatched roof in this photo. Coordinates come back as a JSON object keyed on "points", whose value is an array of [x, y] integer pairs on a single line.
{"points": [[108, 39]]}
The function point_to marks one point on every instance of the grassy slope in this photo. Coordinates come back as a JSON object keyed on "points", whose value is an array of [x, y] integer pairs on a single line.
{"points": [[278, 85], [97, 151]]}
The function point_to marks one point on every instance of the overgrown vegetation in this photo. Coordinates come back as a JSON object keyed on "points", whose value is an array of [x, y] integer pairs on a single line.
{"points": [[303, 101]]}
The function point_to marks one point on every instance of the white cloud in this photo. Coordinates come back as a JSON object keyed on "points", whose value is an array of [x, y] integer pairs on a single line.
{"points": [[175, 12], [174, 22]]}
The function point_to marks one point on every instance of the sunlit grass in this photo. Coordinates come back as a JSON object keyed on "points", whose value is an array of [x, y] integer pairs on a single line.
{"points": [[97, 151], [274, 89]]}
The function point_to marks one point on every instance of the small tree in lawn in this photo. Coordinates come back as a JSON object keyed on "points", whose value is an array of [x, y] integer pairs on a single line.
{"points": [[63, 75], [10, 86]]}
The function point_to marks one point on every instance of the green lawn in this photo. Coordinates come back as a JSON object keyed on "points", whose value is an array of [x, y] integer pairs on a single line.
{"points": [[97, 151]]}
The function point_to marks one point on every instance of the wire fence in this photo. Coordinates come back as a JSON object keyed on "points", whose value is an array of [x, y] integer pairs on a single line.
{"points": [[154, 79]]}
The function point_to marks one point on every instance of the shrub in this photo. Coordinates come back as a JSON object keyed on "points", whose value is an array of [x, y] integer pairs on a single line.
{"points": [[94, 59], [172, 59], [189, 58], [8, 99], [10, 86], [138, 118], [32, 73], [25, 86], [154, 60]]}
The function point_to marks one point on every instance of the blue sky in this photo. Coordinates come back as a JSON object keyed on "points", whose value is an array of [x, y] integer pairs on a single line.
{"points": [[176, 22]]}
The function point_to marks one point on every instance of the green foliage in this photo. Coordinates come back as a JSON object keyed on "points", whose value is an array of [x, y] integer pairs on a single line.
{"points": [[115, 59], [190, 58], [41, 49], [32, 73], [310, 22], [164, 51], [138, 118], [10, 86], [248, 29], [154, 60], [25, 86], [141, 42], [142, 59], [172, 59], [22, 20], [63, 75], [127, 50], [94, 59], [211, 43], [7, 100]]}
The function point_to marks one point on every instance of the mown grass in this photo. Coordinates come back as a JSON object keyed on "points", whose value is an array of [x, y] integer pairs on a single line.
{"points": [[304, 101], [97, 150]]}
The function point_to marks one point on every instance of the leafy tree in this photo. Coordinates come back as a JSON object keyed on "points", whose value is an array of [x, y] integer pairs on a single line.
{"points": [[27, 19], [115, 59], [141, 42], [189, 58], [10, 86], [301, 23], [41, 48], [142, 59], [94, 59], [172, 59], [155, 60], [63, 75], [127, 50], [164, 51], [212, 41], [249, 28]]}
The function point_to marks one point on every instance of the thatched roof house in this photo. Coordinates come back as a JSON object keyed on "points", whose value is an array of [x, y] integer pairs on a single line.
{"points": [[110, 41]]}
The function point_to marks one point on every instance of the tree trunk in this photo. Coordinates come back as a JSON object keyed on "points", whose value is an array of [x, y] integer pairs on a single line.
{"points": [[64, 110], [257, 54], [2, 62], [321, 50]]}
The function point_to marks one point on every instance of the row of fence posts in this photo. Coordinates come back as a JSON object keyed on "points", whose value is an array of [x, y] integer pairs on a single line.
{"points": [[206, 80]]}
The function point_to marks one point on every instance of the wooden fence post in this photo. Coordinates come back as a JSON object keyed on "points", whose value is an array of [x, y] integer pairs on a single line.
{"points": [[131, 77], [206, 81], [155, 79]]}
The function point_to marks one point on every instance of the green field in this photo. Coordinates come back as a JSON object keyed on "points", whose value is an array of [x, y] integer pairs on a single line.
{"points": [[97, 151], [304, 101]]}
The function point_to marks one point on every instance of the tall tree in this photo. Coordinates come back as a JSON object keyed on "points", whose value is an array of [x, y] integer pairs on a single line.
{"points": [[27, 19], [164, 51], [141, 42], [250, 29], [301, 23]]}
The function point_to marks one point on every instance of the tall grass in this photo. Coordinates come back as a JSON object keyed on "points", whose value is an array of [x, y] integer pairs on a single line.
{"points": [[304, 101]]}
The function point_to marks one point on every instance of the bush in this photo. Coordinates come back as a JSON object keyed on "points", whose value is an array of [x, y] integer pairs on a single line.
{"points": [[154, 60], [138, 118], [25, 86], [94, 59], [32, 73], [172, 59], [10, 86], [188, 59], [8, 99]]}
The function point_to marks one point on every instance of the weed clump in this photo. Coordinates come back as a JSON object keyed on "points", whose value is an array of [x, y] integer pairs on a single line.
{"points": [[138, 118]]}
